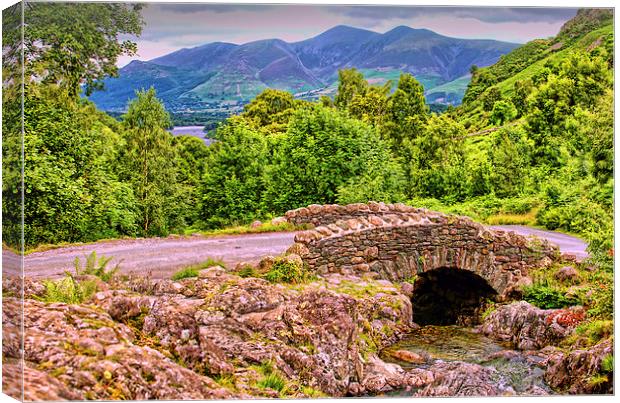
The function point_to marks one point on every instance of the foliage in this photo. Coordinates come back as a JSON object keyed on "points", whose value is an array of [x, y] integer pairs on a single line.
{"points": [[350, 83], [322, 151], [70, 45], [286, 271], [546, 297], [96, 267], [233, 185], [187, 272], [503, 111], [68, 290], [148, 164]]}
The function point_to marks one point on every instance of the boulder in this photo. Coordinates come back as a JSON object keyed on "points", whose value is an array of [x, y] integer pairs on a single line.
{"points": [[574, 372], [529, 327], [567, 274]]}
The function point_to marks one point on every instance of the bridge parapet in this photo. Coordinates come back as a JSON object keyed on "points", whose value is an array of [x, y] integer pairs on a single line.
{"points": [[400, 243]]}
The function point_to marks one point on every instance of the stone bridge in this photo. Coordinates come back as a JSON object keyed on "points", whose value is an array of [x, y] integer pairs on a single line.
{"points": [[401, 243]]}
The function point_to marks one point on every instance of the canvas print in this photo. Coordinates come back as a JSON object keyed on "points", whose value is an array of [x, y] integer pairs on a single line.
{"points": [[238, 201]]}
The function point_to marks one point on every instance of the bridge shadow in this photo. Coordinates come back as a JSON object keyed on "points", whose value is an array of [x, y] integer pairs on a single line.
{"points": [[448, 296]]}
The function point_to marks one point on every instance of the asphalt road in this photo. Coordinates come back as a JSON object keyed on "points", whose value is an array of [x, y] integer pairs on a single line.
{"points": [[163, 256]]}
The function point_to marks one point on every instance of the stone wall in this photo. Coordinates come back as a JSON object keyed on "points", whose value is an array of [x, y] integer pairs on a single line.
{"points": [[398, 246], [318, 215]]}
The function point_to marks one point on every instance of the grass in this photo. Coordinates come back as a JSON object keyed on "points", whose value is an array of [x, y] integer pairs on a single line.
{"points": [[193, 270], [528, 218]]}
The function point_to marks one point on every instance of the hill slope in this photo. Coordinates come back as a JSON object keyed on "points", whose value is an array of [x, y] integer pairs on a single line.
{"points": [[222, 73]]}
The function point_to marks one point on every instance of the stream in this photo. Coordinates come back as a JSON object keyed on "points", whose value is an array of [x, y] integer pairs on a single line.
{"points": [[436, 344]]}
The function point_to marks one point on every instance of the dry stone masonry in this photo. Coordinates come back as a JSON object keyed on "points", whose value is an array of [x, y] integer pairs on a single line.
{"points": [[397, 242]]}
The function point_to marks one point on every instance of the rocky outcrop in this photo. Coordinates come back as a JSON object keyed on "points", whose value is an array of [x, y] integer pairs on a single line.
{"points": [[581, 371], [94, 357], [173, 342], [396, 242], [530, 328]]}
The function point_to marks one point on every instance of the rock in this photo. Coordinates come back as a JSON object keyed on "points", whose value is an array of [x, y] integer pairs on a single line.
{"points": [[567, 274], [41, 386], [407, 289], [573, 372], [531, 328], [458, 379], [213, 271], [256, 224], [73, 341], [409, 356], [278, 221]]}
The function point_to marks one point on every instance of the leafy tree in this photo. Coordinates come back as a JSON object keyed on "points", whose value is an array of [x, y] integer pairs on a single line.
{"points": [[270, 110], [503, 111], [233, 184], [192, 154], [70, 44], [407, 112], [522, 89], [510, 158], [149, 164], [350, 83], [490, 97], [322, 152], [436, 167], [371, 106], [72, 192]]}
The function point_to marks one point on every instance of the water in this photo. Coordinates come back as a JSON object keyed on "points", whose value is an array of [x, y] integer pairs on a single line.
{"points": [[195, 131], [455, 343]]}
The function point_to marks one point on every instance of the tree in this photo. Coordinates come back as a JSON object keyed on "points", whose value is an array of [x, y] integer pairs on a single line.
{"points": [[350, 83], [192, 154], [503, 111], [407, 112], [522, 89], [149, 164], [322, 152], [436, 160], [233, 184], [71, 190], [489, 97], [70, 44], [270, 110], [371, 106]]}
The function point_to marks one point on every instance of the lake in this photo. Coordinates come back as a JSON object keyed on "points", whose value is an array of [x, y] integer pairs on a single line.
{"points": [[196, 131]]}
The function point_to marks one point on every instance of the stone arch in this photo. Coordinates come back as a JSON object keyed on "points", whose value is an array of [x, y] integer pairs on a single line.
{"points": [[447, 296], [403, 242]]}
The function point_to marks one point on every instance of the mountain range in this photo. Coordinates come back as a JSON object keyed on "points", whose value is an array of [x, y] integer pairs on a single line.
{"points": [[223, 74]]}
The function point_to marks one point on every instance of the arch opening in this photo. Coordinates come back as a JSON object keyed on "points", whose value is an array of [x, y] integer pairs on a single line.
{"points": [[448, 296]]}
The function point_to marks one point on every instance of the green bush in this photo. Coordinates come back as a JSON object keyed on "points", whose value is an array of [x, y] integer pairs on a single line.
{"points": [[187, 272], [68, 290], [286, 271], [546, 297]]}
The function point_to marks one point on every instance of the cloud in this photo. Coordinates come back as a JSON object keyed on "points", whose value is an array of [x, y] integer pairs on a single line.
{"points": [[191, 8], [485, 14]]}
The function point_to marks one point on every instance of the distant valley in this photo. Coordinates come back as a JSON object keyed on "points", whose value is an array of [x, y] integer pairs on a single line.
{"points": [[217, 79]]}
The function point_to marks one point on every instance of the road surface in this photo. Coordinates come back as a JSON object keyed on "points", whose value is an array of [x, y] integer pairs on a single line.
{"points": [[163, 256]]}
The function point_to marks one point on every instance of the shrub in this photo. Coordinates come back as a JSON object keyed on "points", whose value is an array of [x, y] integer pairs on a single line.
{"points": [[68, 290], [286, 271], [186, 272], [96, 267], [546, 297]]}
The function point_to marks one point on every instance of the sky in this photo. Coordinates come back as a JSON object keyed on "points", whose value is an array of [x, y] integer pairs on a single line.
{"points": [[172, 26]]}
